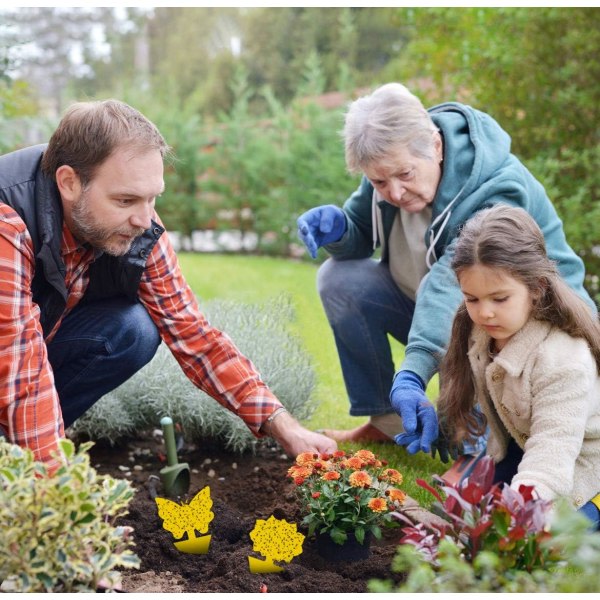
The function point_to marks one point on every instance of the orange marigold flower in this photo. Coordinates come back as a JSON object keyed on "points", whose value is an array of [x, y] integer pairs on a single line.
{"points": [[392, 476], [360, 479], [365, 455], [377, 504], [322, 465], [324, 456], [396, 495], [296, 471], [354, 463], [330, 476], [339, 454], [298, 480], [306, 458]]}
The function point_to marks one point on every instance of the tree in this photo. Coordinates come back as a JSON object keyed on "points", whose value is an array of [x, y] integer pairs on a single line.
{"points": [[52, 44], [536, 71], [184, 45]]}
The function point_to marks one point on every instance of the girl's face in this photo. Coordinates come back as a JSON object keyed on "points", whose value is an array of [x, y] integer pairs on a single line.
{"points": [[495, 301]]}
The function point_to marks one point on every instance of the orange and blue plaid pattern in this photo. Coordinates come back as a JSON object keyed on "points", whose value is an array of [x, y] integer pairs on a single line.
{"points": [[30, 411]]}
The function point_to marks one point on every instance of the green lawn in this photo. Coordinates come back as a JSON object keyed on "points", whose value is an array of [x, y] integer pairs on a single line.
{"points": [[257, 279], [254, 280]]}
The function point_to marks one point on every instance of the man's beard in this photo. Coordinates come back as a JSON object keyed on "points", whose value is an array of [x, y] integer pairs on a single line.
{"points": [[88, 229]]}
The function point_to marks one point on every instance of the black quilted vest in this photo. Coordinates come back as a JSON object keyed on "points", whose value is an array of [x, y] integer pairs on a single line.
{"points": [[36, 199]]}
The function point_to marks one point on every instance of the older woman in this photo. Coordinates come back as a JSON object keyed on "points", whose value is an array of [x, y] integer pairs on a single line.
{"points": [[425, 172]]}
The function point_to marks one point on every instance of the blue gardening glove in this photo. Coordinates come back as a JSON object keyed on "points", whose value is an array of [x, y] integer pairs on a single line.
{"points": [[320, 226], [418, 414]]}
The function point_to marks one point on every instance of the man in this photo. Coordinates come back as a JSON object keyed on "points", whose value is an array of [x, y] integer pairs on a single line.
{"points": [[425, 173], [90, 284]]}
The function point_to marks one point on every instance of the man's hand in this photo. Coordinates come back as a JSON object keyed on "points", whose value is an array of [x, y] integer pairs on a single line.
{"points": [[418, 414], [320, 226], [296, 439]]}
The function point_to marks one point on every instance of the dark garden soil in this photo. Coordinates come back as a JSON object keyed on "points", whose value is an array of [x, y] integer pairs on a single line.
{"points": [[243, 488]]}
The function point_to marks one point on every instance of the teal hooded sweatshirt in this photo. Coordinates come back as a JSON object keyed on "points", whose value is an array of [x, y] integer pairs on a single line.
{"points": [[478, 172]]}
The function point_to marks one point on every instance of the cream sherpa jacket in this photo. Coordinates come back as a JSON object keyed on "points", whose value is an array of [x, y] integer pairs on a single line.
{"points": [[542, 390]]}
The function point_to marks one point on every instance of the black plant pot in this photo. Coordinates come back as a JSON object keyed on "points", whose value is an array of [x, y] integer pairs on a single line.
{"points": [[351, 550]]}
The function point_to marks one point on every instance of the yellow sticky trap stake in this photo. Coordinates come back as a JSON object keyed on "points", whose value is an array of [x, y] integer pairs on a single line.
{"points": [[180, 519], [275, 539]]}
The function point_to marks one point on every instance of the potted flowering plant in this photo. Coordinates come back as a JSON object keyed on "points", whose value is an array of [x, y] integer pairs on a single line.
{"points": [[346, 497]]}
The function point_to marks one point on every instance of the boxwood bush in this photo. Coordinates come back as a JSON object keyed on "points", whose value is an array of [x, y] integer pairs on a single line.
{"points": [[58, 532]]}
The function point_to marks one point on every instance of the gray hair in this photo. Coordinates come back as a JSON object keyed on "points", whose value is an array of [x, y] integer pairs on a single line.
{"points": [[390, 118]]}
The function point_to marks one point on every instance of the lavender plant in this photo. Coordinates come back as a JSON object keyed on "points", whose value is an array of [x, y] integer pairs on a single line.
{"points": [[161, 388]]}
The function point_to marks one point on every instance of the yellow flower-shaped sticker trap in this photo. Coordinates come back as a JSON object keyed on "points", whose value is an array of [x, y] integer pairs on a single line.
{"points": [[180, 519], [276, 540]]}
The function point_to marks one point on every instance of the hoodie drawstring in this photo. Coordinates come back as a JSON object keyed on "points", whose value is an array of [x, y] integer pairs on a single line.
{"points": [[374, 228], [434, 237]]}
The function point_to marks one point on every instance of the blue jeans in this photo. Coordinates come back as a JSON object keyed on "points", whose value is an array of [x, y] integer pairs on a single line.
{"points": [[97, 347], [363, 305]]}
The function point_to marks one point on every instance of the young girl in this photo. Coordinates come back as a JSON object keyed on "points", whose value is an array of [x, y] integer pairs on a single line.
{"points": [[525, 348]]}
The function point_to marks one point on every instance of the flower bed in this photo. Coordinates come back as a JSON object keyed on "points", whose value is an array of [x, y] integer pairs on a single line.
{"points": [[243, 488]]}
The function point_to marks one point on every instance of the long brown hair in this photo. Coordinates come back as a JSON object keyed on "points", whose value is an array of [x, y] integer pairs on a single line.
{"points": [[506, 238]]}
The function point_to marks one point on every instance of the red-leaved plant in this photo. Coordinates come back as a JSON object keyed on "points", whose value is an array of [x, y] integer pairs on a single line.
{"points": [[482, 516]]}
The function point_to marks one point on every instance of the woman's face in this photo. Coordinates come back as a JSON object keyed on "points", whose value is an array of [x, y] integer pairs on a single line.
{"points": [[407, 181]]}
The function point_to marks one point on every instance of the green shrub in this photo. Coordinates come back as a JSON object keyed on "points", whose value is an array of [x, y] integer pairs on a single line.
{"points": [[58, 532], [577, 570], [573, 182], [264, 172], [161, 388], [496, 540]]}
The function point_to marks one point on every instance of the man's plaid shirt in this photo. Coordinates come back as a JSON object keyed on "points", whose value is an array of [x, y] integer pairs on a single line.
{"points": [[30, 413]]}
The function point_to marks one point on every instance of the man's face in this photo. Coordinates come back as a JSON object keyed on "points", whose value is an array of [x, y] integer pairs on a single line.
{"points": [[407, 181], [118, 203]]}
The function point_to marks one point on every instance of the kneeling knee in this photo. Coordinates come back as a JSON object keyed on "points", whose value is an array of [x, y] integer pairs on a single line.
{"points": [[139, 335], [343, 285]]}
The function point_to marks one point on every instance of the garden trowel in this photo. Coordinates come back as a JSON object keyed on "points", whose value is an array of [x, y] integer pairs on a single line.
{"points": [[175, 476]]}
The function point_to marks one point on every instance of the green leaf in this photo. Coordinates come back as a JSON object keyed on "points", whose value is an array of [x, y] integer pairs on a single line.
{"points": [[359, 534], [87, 519], [501, 522], [58, 524], [67, 447], [338, 536], [46, 581]]}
